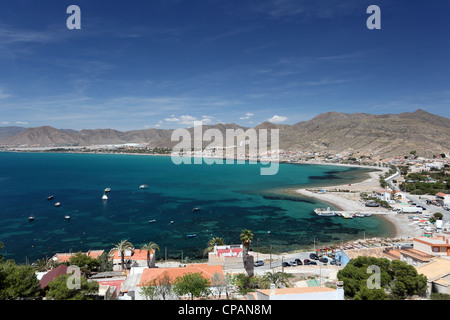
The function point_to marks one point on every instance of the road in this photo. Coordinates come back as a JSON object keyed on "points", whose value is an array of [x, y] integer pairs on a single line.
{"points": [[430, 208], [278, 259]]}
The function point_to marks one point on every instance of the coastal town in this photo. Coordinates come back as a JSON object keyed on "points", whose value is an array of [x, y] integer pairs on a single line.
{"points": [[233, 271]]}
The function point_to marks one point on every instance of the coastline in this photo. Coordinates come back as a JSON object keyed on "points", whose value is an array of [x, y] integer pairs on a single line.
{"points": [[347, 198]]}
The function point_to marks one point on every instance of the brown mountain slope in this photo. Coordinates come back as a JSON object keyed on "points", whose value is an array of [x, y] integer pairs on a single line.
{"points": [[333, 132]]}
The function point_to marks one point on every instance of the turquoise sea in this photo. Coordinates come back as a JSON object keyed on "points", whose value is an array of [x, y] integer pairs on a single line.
{"points": [[231, 196]]}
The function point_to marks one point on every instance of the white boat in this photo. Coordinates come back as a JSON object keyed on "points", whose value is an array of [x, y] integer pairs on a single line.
{"points": [[31, 218], [57, 204], [105, 197], [143, 186], [171, 222], [151, 221], [108, 190], [195, 209], [67, 217], [324, 212]]}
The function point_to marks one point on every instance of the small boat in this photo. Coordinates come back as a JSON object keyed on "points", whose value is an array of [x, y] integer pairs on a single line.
{"points": [[143, 186], [196, 209], [151, 221], [171, 222], [31, 218], [105, 197], [191, 235], [108, 190], [50, 197], [57, 204], [67, 217], [324, 212]]}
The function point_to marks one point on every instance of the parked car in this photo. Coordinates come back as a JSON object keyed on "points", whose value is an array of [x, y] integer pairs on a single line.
{"points": [[286, 264], [292, 263], [298, 262], [323, 260], [259, 263], [335, 262], [313, 256], [307, 262]]}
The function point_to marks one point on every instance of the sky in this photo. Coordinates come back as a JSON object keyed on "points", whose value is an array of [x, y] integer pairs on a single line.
{"points": [[166, 63]]}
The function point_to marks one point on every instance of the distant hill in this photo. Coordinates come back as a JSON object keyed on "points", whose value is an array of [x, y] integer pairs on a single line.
{"points": [[333, 132]]}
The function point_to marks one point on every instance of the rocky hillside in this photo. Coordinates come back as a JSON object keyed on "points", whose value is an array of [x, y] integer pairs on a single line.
{"points": [[333, 132]]}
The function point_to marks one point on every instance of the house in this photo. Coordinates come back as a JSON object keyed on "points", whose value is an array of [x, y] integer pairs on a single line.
{"points": [[154, 274], [438, 246], [227, 256], [409, 255], [384, 195], [438, 275], [65, 257], [52, 275], [305, 293], [443, 198], [132, 258], [446, 227]]}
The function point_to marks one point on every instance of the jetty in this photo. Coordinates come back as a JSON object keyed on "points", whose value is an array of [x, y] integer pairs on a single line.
{"points": [[347, 214]]}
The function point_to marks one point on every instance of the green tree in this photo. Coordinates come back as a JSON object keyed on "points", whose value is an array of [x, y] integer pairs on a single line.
{"points": [[149, 247], [150, 290], [277, 278], [84, 262], [17, 281], [397, 278], [246, 238], [42, 265], [58, 289], [192, 284], [121, 247], [106, 263], [213, 242]]}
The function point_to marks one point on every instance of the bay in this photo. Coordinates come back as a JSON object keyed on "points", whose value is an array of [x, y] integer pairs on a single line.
{"points": [[232, 197]]}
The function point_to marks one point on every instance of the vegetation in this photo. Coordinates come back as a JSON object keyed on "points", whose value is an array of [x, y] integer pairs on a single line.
{"points": [[149, 247], [86, 264], [121, 247], [59, 290], [192, 284], [213, 242], [158, 289], [397, 280], [17, 281], [426, 183], [246, 238]]}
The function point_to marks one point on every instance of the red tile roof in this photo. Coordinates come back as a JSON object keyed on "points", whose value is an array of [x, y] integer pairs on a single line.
{"points": [[52, 275]]}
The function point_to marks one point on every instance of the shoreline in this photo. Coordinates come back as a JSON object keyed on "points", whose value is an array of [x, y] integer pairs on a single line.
{"points": [[347, 198], [344, 201]]}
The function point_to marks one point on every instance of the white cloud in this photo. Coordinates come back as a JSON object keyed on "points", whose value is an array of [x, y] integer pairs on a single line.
{"points": [[277, 119], [4, 122], [187, 120], [247, 116], [21, 122]]}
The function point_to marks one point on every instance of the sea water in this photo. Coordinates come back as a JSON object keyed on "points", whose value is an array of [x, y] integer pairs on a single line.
{"points": [[232, 197]]}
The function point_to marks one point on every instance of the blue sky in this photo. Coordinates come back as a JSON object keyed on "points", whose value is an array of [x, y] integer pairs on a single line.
{"points": [[165, 63]]}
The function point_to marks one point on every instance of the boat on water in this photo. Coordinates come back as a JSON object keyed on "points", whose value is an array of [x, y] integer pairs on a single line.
{"points": [[57, 204], [171, 222], [105, 197], [324, 212], [195, 209], [67, 217], [31, 218], [358, 215], [108, 190], [143, 186], [191, 235], [151, 221], [50, 197]]}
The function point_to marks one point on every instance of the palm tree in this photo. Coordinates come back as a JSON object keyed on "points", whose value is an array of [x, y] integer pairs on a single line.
{"points": [[216, 241], [121, 247], [277, 278], [149, 247], [246, 238]]}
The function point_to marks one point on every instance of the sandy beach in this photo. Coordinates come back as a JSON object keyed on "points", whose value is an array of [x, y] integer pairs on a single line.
{"points": [[347, 198]]}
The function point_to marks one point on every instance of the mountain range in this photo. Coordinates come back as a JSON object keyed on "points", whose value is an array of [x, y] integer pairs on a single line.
{"points": [[332, 132]]}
